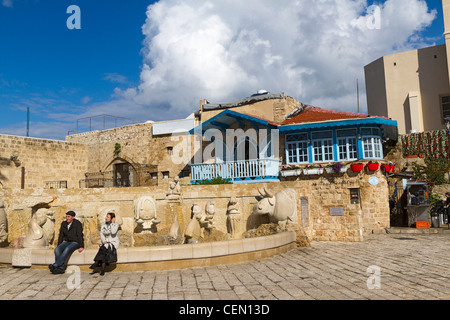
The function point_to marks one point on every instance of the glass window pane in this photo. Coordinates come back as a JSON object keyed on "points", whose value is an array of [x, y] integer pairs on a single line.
{"points": [[292, 152], [328, 150], [348, 149], [317, 146], [352, 149], [303, 152], [323, 150]]}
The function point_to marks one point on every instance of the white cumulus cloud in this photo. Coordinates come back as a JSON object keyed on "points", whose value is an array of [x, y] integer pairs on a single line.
{"points": [[228, 49]]}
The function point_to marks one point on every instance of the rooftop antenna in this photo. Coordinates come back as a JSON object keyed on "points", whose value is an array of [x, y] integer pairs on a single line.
{"points": [[357, 92]]}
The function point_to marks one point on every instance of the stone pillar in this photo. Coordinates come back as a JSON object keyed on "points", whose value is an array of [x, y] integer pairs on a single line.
{"points": [[415, 107]]}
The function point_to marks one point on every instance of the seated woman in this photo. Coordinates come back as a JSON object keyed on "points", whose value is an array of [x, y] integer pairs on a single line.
{"points": [[110, 242]]}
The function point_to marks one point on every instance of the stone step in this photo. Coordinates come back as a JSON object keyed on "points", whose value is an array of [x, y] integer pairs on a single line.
{"points": [[405, 230]]}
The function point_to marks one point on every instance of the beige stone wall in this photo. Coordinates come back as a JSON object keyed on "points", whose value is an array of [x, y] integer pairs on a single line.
{"points": [[138, 147], [408, 87], [271, 109], [43, 160], [446, 12], [321, 193]]}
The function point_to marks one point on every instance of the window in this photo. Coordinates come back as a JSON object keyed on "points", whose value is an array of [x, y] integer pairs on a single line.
{"points": [[322, 146], [354, 195], [165, 174], [347, 145], [372, 144], [297, 149], [348, 148], [446, 108]]}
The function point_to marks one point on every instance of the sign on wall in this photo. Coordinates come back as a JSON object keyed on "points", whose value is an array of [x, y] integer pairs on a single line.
{"points": [[337, 211]]}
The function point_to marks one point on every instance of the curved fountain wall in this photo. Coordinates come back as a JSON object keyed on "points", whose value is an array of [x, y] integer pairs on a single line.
{"points": [[164, 257]]}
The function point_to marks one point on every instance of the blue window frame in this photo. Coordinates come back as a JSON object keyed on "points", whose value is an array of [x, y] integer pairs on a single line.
{"points": [[371, 143], [297, 148], [322, 146]]}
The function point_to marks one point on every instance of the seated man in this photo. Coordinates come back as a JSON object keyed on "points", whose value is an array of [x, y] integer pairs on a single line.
{"points": [[70, 239]]}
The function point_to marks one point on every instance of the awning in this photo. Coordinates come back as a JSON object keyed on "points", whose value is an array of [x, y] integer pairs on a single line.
{"points": [[389, 127]]}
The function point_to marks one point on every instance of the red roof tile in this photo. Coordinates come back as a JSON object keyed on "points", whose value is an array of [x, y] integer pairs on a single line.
{"points": [[316, 114]]}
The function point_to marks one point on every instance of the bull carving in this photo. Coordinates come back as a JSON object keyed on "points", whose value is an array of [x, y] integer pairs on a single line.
{"points": [[280, 207]]}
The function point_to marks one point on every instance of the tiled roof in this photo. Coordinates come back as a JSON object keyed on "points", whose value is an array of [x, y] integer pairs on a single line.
{"points": [[316, 114]]}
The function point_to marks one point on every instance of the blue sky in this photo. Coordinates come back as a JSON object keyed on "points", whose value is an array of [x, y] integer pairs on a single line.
{"points": [[107, 67]]}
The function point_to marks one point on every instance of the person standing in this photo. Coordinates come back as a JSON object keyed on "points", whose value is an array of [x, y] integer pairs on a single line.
{"points": [[70, 238], [109, 243], [447, 207]]}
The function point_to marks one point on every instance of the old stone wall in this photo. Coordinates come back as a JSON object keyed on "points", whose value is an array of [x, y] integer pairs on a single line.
{"points": [[316, 199], [270, 109], [41, 161], [137, 146]]}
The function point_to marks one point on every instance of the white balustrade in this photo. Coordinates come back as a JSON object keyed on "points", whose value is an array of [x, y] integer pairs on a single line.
{"points": [[235, 169]]}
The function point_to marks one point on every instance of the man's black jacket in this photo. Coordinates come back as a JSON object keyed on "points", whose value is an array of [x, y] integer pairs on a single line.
{"points": [[74, 234]]}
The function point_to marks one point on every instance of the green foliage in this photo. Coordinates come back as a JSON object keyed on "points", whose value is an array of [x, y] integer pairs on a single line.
{"points": [[117, 148], [218, 180], [433, 171], [434, 198]]}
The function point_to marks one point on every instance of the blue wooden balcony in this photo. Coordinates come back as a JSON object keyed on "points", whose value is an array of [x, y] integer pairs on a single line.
{"points": [[248, 171]]}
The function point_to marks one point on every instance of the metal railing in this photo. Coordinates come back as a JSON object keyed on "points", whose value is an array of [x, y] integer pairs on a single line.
{"points": [[55, 184], [101, 122], [236, 169]]}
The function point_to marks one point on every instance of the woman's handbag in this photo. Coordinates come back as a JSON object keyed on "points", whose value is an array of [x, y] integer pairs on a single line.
{"points": [[111, 254]]}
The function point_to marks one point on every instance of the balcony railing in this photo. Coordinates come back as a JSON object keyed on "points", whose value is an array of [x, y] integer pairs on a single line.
{"points": [[56, 184], [237, 170]]}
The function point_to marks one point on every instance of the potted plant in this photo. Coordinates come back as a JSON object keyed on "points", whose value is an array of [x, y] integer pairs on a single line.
{"points": [[388, 167], [373, 166], [357, 166], [290, 170], [313, 169], [329, 168], [339, 167]]}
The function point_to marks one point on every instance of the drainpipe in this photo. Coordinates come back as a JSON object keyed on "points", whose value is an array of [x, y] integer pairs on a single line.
{"points": [[22, 186]]}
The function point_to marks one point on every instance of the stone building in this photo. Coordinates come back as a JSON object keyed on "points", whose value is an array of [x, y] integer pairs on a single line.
{"points": [[98, 171], [249, 140], [413, 87]]}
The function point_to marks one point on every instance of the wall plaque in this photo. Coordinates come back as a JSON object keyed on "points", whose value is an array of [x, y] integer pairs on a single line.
{"points": [[337, 211], [305, 214]]}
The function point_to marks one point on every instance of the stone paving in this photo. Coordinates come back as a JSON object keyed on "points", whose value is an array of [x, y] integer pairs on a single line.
{"points": [[383, 267]]}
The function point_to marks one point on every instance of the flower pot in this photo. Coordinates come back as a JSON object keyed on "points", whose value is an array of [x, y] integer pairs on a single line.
{"points": [[313, 171], [343, 170], [290, 173], [357, 167], [388, 168], [329, 170], [373, 166]]}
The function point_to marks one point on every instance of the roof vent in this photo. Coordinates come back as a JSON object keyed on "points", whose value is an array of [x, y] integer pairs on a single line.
{"points": [[260, 93]]}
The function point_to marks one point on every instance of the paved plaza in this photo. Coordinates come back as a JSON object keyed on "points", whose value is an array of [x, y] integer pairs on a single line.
{"points": [[384, 267]]}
